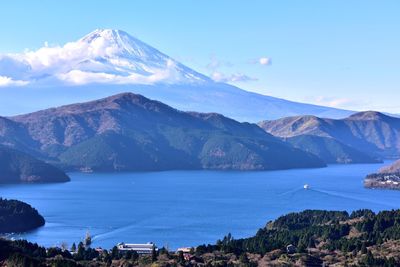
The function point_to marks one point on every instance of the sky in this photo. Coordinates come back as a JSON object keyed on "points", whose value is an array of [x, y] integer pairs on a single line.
{"points": [[343, 54]]}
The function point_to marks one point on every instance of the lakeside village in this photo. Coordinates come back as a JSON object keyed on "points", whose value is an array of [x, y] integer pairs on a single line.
{"points": [[383, 180], [129, 249]]}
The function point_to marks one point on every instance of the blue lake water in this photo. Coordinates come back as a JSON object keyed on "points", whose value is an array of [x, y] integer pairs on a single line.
{"points": [[188, 208]]}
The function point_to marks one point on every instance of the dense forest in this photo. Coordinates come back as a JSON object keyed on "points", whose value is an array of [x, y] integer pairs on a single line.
{"points": [[17, 216], [308, 238], [325, 233]]}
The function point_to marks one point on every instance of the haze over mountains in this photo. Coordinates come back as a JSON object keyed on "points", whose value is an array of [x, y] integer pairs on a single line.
{"points": [[107, 62], [362, 137]]}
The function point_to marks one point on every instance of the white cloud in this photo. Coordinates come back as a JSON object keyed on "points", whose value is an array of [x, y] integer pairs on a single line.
{"points": [[7, 81], [217, 63], [79, 77], [265, 61], [236, 77], [344, 103], [334, 102]]}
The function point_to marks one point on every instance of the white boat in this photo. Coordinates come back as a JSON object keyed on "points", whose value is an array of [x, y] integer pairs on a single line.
{"points": [[306, 186]]}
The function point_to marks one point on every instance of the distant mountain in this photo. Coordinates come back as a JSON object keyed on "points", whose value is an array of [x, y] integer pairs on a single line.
{"points": [[362, 137], [330, 149], [106, 62], [18, 167], [129, 132]]}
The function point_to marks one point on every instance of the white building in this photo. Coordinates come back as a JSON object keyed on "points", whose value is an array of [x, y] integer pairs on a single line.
{"points": [[184, 250], [139, 248]]}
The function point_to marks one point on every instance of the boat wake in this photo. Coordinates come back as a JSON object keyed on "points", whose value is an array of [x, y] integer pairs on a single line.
{"points": [[341, 195], [336, 194], [112, 232], [292, 191]]}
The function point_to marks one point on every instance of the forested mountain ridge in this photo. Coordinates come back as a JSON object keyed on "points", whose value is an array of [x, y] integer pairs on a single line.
{"points": [[127, 132], [19, 167]]}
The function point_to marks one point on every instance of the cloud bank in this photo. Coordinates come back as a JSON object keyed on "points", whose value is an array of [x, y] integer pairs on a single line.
{"points": [[7, 81], [236, 77], [103, 56], [333, 101]]}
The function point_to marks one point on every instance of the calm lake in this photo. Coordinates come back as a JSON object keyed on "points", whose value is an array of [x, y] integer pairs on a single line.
{"points": [[189, 208]]}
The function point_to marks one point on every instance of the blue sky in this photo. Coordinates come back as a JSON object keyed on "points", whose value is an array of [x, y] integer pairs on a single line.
{"points": [[337, 53]]}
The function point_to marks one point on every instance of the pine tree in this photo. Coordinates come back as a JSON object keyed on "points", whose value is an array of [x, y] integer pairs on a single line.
{"points": [[115, 253], [153, 255], [370, 260], [311, 243], [181, 259], [364, 249], [243, 258]]}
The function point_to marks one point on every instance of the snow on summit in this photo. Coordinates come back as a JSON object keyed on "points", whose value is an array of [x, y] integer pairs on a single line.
{"points": [[102, 56], [106, 62]]}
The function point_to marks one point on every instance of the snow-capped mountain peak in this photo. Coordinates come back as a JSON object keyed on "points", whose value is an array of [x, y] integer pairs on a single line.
{"points": [[102, 56], [121, 43], [117, 44], [108, 62]]}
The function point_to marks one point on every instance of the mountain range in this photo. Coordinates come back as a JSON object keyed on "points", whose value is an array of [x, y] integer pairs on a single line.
{"points": [[128, 132], [107, 62], [362, 137]]}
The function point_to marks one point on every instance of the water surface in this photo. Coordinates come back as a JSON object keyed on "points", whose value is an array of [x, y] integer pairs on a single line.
{"points": [[188, 208]]}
